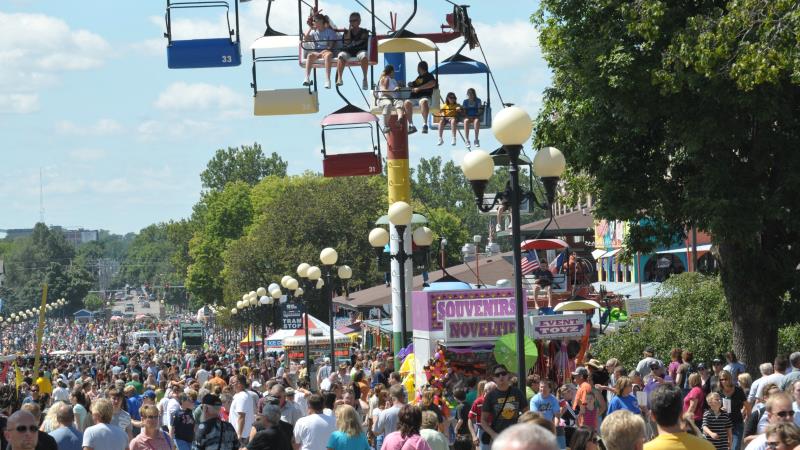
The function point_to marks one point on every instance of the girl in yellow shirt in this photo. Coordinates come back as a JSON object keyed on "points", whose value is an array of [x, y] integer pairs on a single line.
{"points": [[449, 114]]}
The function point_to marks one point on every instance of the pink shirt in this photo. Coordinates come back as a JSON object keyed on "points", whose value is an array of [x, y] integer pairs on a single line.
{"points": [[395, 441], [142, 442], [695, 394]]}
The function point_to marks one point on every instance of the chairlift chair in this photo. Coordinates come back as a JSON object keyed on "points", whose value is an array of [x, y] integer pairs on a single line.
{"points": [[276, 102], [351, 164], [459, 64], [202, 53], [407, 42]]}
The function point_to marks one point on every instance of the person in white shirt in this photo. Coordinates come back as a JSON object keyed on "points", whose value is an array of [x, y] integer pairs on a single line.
{"points": [[313, 431], [169, 406], [103, 435], [60, 393], [202, 375], [776, 378], [644, 365], [242, 412]]}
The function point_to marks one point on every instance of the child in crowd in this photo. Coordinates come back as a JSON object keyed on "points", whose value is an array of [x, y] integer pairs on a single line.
{"points": [[717, 425]]}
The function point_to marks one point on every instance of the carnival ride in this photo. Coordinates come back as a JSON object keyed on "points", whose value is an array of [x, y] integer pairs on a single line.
{"points": [[275, 47]]}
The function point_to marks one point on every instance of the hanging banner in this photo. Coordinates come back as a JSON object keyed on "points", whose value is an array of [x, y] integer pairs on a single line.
{"points": [[558, 326], [291, 316]]}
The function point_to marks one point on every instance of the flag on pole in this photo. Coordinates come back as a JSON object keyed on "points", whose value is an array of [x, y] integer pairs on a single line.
{"points": [[558, 262], [530, 262]]}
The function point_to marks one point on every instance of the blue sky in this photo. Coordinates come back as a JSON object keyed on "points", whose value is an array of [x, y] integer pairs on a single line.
{"points": [[86, 96]]}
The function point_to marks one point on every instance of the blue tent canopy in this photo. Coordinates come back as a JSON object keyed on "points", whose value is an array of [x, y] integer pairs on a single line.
{"points": [[459, 64]]}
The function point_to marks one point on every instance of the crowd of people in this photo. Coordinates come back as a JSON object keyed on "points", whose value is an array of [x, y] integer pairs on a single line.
{"points": [[125, 395]]}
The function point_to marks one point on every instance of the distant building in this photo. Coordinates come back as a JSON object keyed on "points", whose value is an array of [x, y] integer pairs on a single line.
{"points": [[75, 237]]}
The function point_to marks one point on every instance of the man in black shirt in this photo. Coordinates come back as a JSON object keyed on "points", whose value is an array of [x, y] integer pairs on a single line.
{"points": [[271, 434], [421, 92], [503, 406], [183, 423], [354, 47]]}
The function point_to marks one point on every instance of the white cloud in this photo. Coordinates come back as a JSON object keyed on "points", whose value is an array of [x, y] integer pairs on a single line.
{"points": [[88, 154], [17, 103], [182, 96], [150, 47], [156, 130], [36, 50], [100, 128]]}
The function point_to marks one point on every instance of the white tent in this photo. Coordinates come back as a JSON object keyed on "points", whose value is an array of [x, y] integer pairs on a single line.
{"points": [[317, 330]]}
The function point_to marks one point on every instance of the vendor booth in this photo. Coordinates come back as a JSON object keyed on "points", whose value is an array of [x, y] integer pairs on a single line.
{"points": [[293, 342]]}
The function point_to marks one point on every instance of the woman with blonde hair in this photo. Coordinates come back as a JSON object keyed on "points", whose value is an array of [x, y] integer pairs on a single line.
{"points": [[152, 436], [348, 435], [783, 436]]}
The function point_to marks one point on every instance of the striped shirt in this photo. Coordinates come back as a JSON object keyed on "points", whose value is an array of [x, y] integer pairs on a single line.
{"points": [[719, 424]]}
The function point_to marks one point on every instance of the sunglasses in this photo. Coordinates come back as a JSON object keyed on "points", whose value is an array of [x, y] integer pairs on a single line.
{"points": [[784, 414], [773, 444], [149, 417], [355, 20], [500, 374], [28, 428]]}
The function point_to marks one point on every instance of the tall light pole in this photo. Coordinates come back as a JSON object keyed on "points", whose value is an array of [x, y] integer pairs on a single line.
{"points": [[512, 127], [328, 258], [400, 214]]}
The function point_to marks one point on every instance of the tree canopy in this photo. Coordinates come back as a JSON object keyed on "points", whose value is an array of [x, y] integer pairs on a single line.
{"points": [[246, 163], [687, 114]]}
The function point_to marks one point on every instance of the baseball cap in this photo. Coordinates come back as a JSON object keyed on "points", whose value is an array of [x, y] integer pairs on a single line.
{"points": [[650, 349], [581, 371], [717, 361], [327, 360], [655, 365], [149, 394], [289, 392], [255, 385], [701, 366], [211, 400]]}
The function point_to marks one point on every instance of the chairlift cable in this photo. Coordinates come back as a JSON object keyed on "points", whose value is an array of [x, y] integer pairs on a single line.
{"points": [[373, 14], [491, 74]]}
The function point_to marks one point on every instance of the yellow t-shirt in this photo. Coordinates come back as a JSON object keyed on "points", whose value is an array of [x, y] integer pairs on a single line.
{"points": [[448, 110], [678, 441], [45, 386]]}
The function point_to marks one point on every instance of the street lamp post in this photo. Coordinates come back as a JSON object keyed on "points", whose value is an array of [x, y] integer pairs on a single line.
{"points": [[313, 274], [328, 258], [512, 127], [400, 214]]}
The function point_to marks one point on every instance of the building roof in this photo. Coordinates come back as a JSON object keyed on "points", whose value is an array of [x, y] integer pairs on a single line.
{"points": [[491, 269], [571, 223]]}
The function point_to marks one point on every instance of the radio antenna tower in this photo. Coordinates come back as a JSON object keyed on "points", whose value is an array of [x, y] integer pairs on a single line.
{"points": [[41, 197]]}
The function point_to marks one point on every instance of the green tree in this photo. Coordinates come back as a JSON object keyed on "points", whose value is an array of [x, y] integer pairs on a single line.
{"points": [[148, 257], [688, 312], [309, 214], [246, 163], [687, 113], [93, 302], [226, 215]]}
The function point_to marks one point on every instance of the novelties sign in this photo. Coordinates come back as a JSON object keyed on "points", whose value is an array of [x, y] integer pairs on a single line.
{"points": [[477, 330]]}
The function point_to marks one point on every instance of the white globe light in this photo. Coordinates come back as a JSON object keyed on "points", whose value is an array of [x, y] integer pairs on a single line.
{"points": [[273, 286], [378, 237], [239, 304], [234, 311], [328, 256], [422, 236], [302, 269], [345, 272], [264, 300], [245, 297], [253, 300], [320, 283], [292, 284], [477, 165], [314, 273], [400, 213], [261, 292], [284, 280], [549, 162], [276, 293], [298, 292], [512, 126]]}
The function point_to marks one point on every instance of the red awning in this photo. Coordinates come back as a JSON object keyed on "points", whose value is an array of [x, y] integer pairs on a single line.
{"points": [[543, 244]]}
